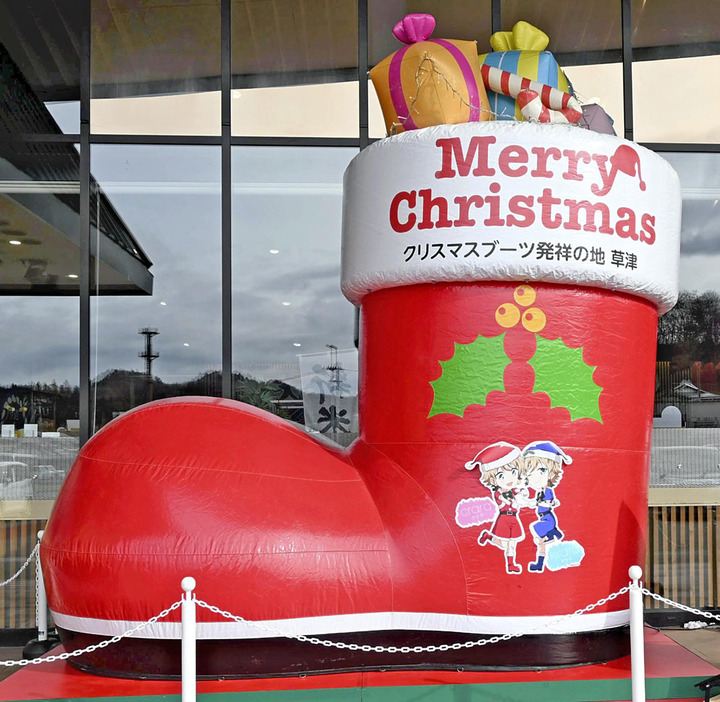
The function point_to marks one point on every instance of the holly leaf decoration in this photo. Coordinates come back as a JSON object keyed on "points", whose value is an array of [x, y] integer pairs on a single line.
{"points": [[561, 373], [474, 370]]}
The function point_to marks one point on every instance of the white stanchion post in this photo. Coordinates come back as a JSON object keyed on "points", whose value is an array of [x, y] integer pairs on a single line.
{"points": [[189, 621], [637, 636], [41, 608]]}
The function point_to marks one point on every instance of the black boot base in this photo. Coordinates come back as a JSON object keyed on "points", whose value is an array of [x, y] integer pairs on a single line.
{"points": [[153, 659]]}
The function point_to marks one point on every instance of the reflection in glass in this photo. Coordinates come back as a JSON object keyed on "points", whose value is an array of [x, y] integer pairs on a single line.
{"points": [[686, 441], [293, 329], [155, 67], [690, 32], [329, 381], [376, 121], [39, 257], [601, 84], [39, 370], [39, 229], [161, 339], [694, 118], [275, 37], [681, 25], [685, 458], [40, 65], [294, 68], [594, 30], [323, 110]]}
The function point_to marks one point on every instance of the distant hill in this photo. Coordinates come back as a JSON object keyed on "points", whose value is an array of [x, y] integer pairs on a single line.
{"points": [[117, 391]]}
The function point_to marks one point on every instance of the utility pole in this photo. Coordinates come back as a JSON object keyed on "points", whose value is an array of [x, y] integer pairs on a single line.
{"points": [[334, 369], [149, 356]]}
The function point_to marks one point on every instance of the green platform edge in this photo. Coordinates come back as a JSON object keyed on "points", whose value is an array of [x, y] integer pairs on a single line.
{"points": [[540, 691]]}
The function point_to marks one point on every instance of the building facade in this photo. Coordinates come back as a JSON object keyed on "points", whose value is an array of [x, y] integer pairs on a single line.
{"points": [[170, 214]]}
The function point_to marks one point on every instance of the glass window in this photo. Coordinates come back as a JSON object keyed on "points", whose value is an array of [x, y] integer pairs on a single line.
{"points": [[155, 67], [39, 257], [682, 26], [321, 110], [293, 330], [595, 30], [376, 122], [673, 101], [294, 68], [40, 66], [675, 47], [601, 84], [686, 440], [275, 37], [155, 325]]}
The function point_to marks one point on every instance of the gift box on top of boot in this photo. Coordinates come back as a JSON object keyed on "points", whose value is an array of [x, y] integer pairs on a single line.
{"points": [[522, 51], [429, 81]]}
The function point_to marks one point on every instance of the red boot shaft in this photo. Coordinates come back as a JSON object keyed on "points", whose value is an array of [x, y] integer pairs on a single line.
{"points": [[407, 333]]}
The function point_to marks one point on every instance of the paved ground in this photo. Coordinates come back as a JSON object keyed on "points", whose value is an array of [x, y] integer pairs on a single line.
{"points": [[704, 643], [9, 654]]}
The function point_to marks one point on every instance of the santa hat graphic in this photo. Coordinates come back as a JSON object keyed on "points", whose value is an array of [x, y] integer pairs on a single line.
{"points": [[494, 456], [546, 449]]}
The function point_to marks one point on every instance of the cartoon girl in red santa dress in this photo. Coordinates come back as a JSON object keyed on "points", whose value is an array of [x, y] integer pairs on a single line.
{"points": [[500, 467]]}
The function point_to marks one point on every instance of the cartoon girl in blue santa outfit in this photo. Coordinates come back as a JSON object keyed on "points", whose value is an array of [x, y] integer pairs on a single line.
{"points": [[542, 470]]}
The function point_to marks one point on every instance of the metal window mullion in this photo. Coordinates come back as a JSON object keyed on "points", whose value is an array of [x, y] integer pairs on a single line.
{"points": [[156, 139], [84, 410], [226, 194], [627, 58], [341, 142], [364, 119], [686, 148], [190, 140], [496, 18], [363, 67]]}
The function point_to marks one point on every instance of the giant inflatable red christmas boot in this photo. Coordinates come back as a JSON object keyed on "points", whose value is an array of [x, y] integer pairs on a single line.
{"points": [[510, 277]]}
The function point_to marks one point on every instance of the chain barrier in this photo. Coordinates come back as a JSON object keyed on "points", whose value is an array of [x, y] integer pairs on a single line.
{"points": [[29, 560], [38, 585], [94, 647], [410, 649], [685, 608], [341, 644]]}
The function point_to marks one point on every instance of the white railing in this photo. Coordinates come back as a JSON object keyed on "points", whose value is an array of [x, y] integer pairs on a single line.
{"points": [[189, 638], [637, 636], [41, 607], [188, 605]]}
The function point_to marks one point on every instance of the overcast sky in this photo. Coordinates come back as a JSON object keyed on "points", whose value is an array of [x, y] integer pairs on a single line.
{"points": [[700, 240], [285, 199]]}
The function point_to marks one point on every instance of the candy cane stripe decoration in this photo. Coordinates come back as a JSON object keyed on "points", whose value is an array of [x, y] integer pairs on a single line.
{"points": [[533, 110], [511, 84]]}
